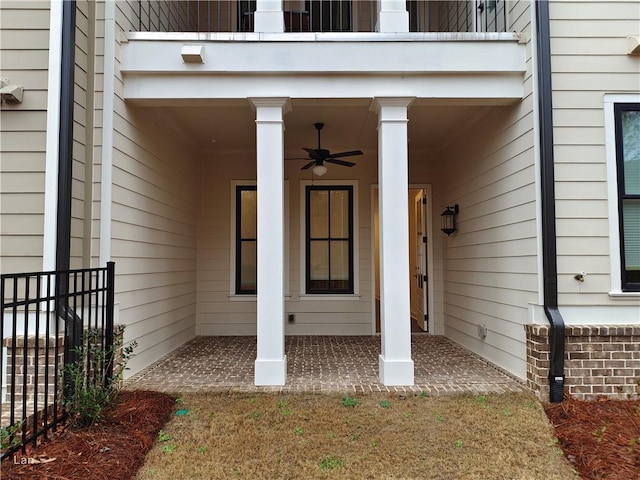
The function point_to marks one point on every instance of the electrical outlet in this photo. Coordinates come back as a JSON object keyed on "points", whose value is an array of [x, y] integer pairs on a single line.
{"points": [[482, 330], [292, 317]]}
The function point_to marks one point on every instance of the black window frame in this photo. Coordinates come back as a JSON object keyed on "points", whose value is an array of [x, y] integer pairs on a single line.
{"points": [[239, 239], [627, 284], [309, 289]]}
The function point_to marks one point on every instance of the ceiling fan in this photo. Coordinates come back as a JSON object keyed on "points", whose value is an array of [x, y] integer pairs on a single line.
{"points": [[319, 156]]}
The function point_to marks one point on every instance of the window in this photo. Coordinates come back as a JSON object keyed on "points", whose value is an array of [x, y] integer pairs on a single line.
{"points": [[246, 239], [329, 239], [627, 135]]}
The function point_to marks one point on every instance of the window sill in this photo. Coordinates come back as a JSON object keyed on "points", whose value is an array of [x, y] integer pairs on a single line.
{"points": [[334, 297], [251, 297], [620, 295]]}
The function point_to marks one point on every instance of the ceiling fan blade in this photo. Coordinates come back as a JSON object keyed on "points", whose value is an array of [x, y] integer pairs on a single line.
{"points": [[308, 165], [350, 153], [344, 163], [313, 153]]}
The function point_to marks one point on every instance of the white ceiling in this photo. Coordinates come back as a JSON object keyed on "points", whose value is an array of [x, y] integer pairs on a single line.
{"points": [[349, 125]]}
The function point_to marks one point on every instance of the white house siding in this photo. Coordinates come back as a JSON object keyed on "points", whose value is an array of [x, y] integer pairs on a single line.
{"points": [[588, 41], [490, 264], [221, 313], [153, 223], [24, 50]]}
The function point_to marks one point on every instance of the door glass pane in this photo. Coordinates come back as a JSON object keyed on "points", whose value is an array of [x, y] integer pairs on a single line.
{"points": [[319, 210], [339, 214], [248, 262], [631, 151], [339, 260], [319, 261], [248, 214]]}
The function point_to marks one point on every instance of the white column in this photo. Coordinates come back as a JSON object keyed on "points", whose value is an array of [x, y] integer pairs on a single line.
{"points": [[271, 362], [268, 17], [393, 16], [396, 366]]}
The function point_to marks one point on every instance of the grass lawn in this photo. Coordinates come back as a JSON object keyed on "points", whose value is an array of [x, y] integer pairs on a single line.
{"points": [[290, 436]]}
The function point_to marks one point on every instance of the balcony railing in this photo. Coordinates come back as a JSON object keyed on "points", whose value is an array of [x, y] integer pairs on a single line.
{"points": [[313, 15]]}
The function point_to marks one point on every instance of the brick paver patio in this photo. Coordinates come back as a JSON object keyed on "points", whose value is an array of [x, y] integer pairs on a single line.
{"points": [[322, 364]]}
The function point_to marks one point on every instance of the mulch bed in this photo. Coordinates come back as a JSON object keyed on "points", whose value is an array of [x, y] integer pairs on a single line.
{"points": [[601, 438], [114, 449]]}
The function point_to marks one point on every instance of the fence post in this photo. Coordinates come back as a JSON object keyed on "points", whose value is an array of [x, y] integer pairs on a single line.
{"points": [[109, 310], [61, 303]]}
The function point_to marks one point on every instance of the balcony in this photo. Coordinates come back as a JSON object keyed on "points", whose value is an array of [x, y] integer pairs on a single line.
{"points": [[338, 49], [164, 16]]}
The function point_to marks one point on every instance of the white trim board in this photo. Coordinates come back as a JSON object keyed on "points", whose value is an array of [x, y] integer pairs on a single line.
{"points": [[612, 191]]}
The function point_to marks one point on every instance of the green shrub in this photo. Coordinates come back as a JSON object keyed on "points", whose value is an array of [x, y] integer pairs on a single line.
{"points": [[91, 391], [9, 436]]}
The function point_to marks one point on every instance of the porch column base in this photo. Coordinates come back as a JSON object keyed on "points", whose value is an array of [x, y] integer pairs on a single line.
{"points": [[268, 16], [270, 372], [393, 22], [393, 16], [396, 372]]}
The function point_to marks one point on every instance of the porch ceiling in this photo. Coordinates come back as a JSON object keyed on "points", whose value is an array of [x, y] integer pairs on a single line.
{"points": [[349, 124]]}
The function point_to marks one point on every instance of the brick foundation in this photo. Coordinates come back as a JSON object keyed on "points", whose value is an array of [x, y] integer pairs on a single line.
{"points": [[43, 357], [599, 360], [30, 352]]}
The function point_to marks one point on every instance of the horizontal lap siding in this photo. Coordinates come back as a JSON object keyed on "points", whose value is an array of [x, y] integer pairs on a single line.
{"points": [[589, 45], [153, 228], [490, 265], [24, 59], [82, 135]]}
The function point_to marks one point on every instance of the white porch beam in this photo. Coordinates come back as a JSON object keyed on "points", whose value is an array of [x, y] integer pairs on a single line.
{"points": [[393, 16], [396, 366], [268, 17], [271, 362]]}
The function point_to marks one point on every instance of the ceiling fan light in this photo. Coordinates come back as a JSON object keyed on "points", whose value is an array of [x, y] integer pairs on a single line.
{"points": [[319, 170]]}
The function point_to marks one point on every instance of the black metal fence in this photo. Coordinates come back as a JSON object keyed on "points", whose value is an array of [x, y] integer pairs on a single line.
{"points": [[314, 15], [44, 317]]}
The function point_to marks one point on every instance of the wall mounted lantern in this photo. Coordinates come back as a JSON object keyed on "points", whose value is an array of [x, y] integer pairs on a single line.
{"points": [[449, 217]]}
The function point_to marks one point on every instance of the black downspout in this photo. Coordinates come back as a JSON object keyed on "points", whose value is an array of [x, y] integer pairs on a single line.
{"points": [[73, 325], [65, 144], [549, 253]]}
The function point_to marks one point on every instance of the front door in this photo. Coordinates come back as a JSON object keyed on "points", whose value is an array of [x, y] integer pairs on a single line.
{"points": [[418, 257]]}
